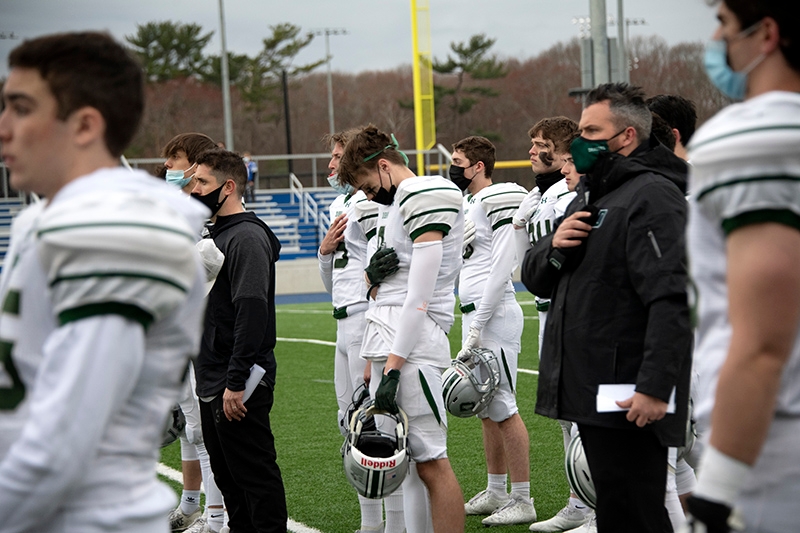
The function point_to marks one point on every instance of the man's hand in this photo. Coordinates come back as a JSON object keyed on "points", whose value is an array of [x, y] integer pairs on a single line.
{"points": [[232, 405], [367, 374], [473, 339], [469, 234], [383, 264], [334, 236], [386, 395], [706, 516], [526, 209], [572, 231], [643, 409]]}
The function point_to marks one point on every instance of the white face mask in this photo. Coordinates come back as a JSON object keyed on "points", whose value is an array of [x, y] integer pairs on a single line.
{"points": [[345, 188]]}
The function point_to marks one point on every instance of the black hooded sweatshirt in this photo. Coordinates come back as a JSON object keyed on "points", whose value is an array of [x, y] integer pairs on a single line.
{"points": [[239, 329], [619, 311]]}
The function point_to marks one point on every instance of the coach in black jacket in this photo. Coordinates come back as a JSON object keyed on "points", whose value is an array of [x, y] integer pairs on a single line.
{"points": [[619, 312]]}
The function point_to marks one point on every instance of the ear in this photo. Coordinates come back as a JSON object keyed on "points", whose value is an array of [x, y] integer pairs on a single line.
{"points": [[771, 35], [677, 134], [88, 126], [630, 136]]}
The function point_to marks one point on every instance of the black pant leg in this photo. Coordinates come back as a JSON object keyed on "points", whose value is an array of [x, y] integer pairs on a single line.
{"points": [[249, 449], [629, 470], [233, 496]]}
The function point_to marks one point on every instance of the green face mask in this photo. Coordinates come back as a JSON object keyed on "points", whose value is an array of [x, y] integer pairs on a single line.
{"points": [[585, 152]]}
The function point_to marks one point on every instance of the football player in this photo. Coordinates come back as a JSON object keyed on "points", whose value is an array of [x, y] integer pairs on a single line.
{"points": [[744, 246], [342, 260], [102, 296], [492, 318], [405, 341]]}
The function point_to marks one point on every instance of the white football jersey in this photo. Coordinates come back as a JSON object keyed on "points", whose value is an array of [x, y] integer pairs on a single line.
{"points": [[491, 210], [348, 286], [84, 394], [422, 204], [745, 169], [552, 206]]}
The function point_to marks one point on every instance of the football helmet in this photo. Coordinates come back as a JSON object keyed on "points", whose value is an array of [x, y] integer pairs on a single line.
{"points": [[578, 475], [375, 460], [175, 425], [470, 382]]}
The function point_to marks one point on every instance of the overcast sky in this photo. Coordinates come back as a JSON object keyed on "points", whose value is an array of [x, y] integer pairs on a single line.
{"points": [[379, 30]]}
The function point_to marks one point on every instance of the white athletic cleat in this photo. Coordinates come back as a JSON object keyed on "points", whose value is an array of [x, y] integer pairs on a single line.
{"points": [[379, 530], [566, 519], [199, 526], [588, 527], [179, 521], [485, 502], [518, 510]]}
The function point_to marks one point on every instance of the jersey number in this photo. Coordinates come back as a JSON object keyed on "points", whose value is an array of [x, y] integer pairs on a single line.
{"points": [[10, 397], [342, 261]]}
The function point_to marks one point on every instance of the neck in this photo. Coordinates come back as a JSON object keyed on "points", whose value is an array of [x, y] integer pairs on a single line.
{"points": [[400, 173], [478, 183], [232, 206], [81, 165], [773, 74], [680, 151]]}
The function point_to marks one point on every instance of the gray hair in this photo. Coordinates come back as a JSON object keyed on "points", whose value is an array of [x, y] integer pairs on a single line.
{"points": [[627, 105]]}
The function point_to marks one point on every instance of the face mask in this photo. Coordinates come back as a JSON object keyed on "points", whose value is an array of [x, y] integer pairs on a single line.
{"points": [[176, 177], [341, 188], [211, 200], [383, 196], [731, 83], [457, 177], [585, 152]]}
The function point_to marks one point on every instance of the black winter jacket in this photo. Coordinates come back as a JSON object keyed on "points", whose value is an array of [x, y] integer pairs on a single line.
{"points": [[239, 327], [619, 314]]}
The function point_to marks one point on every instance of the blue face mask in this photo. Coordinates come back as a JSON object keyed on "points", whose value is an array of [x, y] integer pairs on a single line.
{"points": [[341, 188], [731, 83], [175, 177]]}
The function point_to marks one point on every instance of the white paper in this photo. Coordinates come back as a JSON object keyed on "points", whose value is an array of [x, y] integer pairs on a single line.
{"points": [[256, 373], [608, 395]]}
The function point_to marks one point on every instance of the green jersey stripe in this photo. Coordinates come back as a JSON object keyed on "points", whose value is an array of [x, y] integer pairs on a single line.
{"points": [[780, 216], [501, 223], [135, 275], [739, 181], [444, 228], [509, 208], [129, 311], [440, 210], [412, 194], [137, 225]]}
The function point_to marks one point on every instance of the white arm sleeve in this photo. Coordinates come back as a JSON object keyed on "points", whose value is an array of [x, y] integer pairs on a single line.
{"points": [[522, 243], [503, 255], [423, 271], [326, 270], [89, 368]]}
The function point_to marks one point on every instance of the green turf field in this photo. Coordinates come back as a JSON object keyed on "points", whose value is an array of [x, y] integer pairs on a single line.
{"points": [[308, 440]]}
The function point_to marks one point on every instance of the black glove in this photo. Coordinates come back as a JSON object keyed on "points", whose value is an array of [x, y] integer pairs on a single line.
{"points": [[383, 264], [386, 395], [706, 516]]}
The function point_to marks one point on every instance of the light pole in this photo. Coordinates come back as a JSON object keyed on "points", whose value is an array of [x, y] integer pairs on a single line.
{"points": [[327, 32], [226, 85]]}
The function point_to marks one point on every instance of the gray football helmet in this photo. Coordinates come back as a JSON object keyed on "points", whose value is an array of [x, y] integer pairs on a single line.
{"points": [[579, 476], [376, 461], [469, 385]]}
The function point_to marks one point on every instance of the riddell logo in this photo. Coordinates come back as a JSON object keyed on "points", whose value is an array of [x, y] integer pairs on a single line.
{"points": [[378, 465]]}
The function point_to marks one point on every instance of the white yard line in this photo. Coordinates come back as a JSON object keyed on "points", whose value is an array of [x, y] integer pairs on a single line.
{"points": [[176, 476]]}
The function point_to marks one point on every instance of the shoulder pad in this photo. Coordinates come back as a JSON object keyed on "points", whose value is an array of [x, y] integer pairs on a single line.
{"points": [[117, 252], [428, 203]]}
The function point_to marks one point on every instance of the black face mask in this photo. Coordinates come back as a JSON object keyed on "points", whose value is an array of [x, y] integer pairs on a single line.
{"points": [[382, 196], [211, 200], [457, 177]]}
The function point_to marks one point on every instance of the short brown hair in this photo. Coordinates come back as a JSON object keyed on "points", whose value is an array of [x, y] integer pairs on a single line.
{"points": [[477, 148], [225, 165], [89, 69], [560, 130], [330, 140], [192, 144], [364, 150]]}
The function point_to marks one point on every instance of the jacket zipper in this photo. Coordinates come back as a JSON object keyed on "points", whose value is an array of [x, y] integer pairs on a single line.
{"points": [[655, 244]]}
